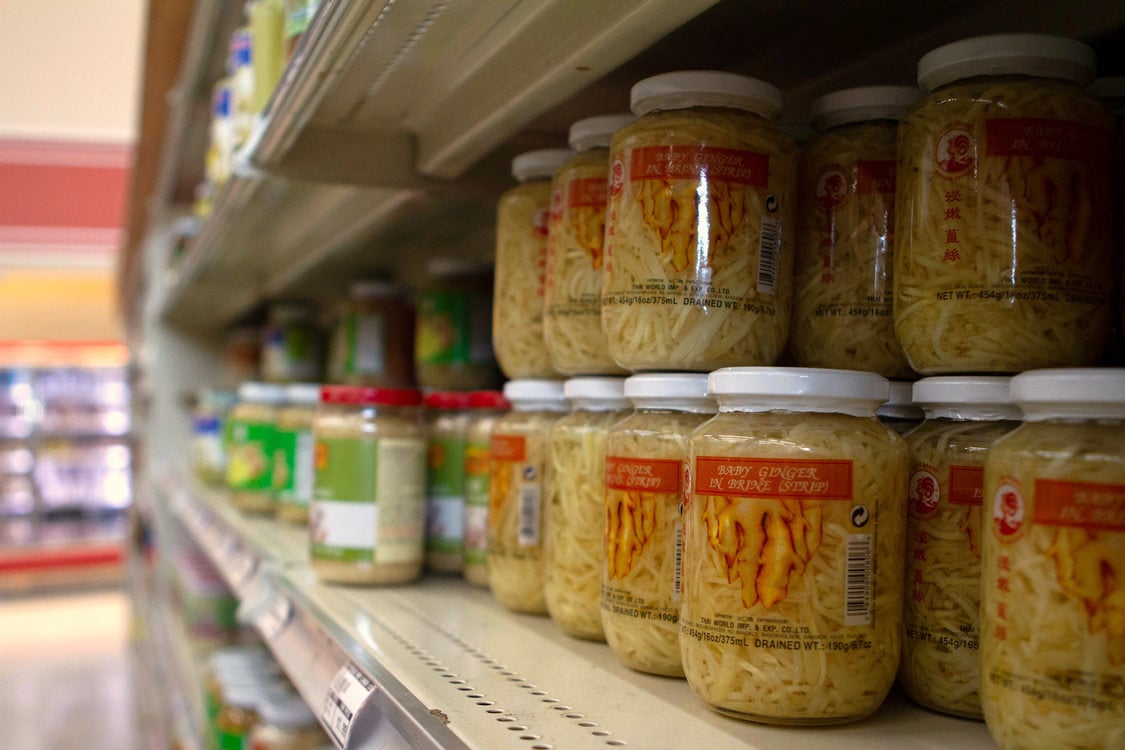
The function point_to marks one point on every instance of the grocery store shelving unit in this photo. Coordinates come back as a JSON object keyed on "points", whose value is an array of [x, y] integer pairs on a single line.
{"points": [[387, 144]]}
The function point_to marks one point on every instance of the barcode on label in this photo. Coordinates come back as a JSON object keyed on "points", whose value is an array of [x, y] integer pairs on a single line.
{"points": [[857, 591], [769, 253], [529, 515], [678, 560], [347, 694]]}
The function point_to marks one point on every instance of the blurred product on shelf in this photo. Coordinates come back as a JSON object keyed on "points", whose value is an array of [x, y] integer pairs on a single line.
{"points": [[447, 423], [941, 621], [572, 291], [294, 462], [367, 519], [298, 16], [250, 436], [204, 602], [373, 341], [518, 483], [292, 347], [222, 139], [1003, 262], [1053, 565], [242, 356], [793, 547], [574, 511], [487, 407], [899, 412], [267, 22], [645, 472], [699, 226], [521, 265], [453, 335], [209, 434], [285, 722], [843, 296]]}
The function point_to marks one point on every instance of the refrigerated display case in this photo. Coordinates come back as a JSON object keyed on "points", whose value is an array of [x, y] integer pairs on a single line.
{"points": [[386, 145]]}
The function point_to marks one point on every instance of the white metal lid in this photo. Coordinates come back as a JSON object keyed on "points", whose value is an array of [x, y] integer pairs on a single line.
{"points": [[303, 393], [1078, 393], [705, 88], [798, 389], [1038, 55], [542, 163], [523, 390], [678, 391], [900, 403], [372, 289], [862, 104], [596, 131], [261, 393], [286, 711], [966, 397], [596, 393]]}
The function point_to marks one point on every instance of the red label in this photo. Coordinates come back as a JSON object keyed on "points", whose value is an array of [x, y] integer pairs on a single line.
{"points": [[772, 477], [643, 474], [877, 176], [1084, 505], [966, 485], [508, 448], [1047, 139], [588, 192], [693, 162]]}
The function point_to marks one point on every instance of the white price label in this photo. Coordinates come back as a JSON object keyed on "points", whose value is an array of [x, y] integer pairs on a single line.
{"points": [[349, 691], [241, 564], [272, 623]]}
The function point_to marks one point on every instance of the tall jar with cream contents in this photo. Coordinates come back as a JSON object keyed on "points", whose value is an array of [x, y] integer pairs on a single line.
{"points": [[572, 317], [1003, 254], [699, 226], [367, 518], [845, 234], [517, 486], [573, 548], [645, 469], [793, 544], [293, 459], [250, 437], [521, 266], [486, 407], [941, 619], [1053, 570]]}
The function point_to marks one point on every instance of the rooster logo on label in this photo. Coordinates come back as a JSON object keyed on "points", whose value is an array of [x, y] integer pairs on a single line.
{"points": [[955, 151], [831, 189], [1008, 512], [924, 493]]}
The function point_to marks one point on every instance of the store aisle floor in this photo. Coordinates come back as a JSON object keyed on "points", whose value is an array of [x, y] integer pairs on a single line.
{"points": [[64, 672]]}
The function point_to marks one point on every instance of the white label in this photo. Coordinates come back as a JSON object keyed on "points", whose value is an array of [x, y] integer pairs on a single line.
{"points": [[272, 623], [368, 345], [529, 515], [349, 691], [241, 566], [445, 519], [346, 525], [401, 493], [857, 590], [769, 253], [303, 468]]}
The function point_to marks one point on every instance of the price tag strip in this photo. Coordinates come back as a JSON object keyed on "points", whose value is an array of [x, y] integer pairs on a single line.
{"points": [[349, 691], [271, 623]]}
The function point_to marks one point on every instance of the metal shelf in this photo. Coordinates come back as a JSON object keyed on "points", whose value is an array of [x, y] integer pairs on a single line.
{"points": [[453, 668]]}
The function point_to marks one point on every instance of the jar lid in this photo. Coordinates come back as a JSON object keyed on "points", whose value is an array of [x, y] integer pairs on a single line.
{"points": [[488, 400], [1078, 393], [966, 397], [534, 389], [607, 392], [1108, 87], [900, 404], [597, 131], [682, 391], [798, 389], [705, 88], [302, 393], [447, 400], [261, 393], [542, 163], [1039, 55], [373, 289], [286, 711], [360, 395], [862, 104]]}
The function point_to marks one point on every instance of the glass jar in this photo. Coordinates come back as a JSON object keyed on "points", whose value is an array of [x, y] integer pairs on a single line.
{"points": [[286, 723], [899, 412], [237, 716], [234, 665], [842, 307], [517, 483], [701, 156], [250, 440], [941, 620], [374, 337], [572, 317], [1053, 569], [367, 518], [293, 459], [453, 336], [793, 544], [487, 407], [574, 522], [646, 461], [291, 345], [521, 265], [1003, 260], [447, 421], [208, 430]]}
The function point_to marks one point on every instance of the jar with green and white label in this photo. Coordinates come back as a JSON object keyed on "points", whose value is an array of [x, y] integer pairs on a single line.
{"points": [[293, 452], [447, 420], [367, 517], [250, 436]]}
